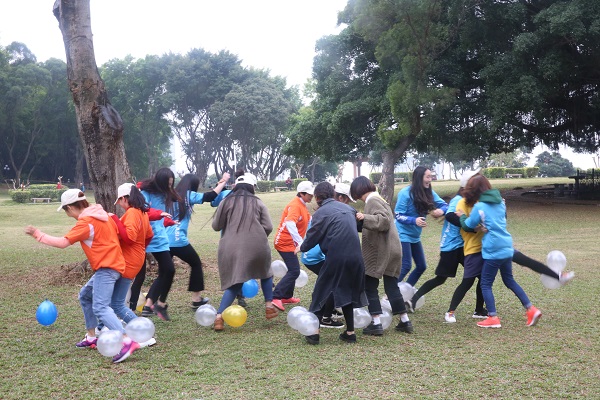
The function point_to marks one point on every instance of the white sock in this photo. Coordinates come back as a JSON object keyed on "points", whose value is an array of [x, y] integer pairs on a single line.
{"points": [[377, 320], [90, 338], [404, 318]]}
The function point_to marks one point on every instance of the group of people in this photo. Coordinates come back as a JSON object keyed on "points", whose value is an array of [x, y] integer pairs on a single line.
{"points": [[349, 271]]}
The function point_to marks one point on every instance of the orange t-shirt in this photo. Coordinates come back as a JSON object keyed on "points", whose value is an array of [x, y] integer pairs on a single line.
{"points": [[297, 212], [99, 241], [138, 229]]}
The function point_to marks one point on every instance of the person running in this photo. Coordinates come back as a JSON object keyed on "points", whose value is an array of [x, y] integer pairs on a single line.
{"points": [[244, 251], [382, 255], [98, 236], [179, 244], [341, 279], [497, 250], [414, 203], [159, 194], [290, 234]]}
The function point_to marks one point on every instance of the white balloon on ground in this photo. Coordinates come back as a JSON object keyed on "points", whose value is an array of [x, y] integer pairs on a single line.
{"points": [[556, 260], [420, 302], [109, 343], [206, 315], [302, 279], [293, 316], [386, 318], [385, 304], [279, 268], [362, 318], [308, 324], [140, 329], [406, 290]]}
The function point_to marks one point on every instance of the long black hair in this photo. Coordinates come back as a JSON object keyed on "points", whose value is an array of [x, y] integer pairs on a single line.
{"points": [[242, 195], [137, 200], [189, 182], [159, 184], [422, 197], [324, 191]]}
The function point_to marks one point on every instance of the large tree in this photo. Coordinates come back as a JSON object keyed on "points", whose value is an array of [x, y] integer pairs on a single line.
{"points": [[99, 124]]}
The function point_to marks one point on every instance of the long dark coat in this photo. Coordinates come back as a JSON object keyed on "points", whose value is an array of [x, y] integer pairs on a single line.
{"points": [[244, 251], [343, 273]]}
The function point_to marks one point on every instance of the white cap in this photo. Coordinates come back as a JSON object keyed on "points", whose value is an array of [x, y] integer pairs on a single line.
{"points": [[69, 197], [468, 175], [246, 178], [343, 188], [306, 187], [123, 190]]}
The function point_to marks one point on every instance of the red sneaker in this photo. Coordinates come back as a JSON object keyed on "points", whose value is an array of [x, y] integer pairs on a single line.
{"points": [[278, 304], [533, 316], [490, 322], [291, 300]]}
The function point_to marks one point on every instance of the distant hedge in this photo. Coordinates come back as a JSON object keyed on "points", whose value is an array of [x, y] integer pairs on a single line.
{"points": [[25, 195]]}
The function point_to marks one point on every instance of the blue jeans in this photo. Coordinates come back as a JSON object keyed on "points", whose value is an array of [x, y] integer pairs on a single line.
{"points": [[95, 298], [118, 300], [488, 275], [232, 292], [412, 251], [285, 287]]}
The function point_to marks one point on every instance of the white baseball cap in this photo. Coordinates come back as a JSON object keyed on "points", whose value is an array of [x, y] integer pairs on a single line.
{"points": [[343, 188], [123, 190], [69, 197], [306, 187], [246, 178], [468, 175]]}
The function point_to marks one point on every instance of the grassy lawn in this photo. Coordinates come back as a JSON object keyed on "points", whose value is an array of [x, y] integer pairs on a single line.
{"points": [[558, 358]]}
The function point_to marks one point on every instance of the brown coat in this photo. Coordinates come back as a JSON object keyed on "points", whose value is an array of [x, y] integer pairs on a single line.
{"points": [[381, 247], [244, 251]]}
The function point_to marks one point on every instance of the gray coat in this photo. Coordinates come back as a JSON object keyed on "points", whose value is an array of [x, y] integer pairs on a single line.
{"points": [[342, 275], [244, 251], [381, 247]]}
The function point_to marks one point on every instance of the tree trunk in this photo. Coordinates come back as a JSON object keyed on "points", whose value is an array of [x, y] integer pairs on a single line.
{"points": [[390, 158], [99, 124]]}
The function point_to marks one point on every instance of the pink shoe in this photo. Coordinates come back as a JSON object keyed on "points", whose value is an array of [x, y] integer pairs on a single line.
{"points": [[278, 304], [533, 316], [291, 300]]}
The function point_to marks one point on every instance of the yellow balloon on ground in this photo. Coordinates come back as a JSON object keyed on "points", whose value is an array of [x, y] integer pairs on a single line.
{"points": [[235, 316], [141, 302]]}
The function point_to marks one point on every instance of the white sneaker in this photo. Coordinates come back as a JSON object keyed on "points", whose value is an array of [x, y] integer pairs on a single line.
{"points": [[148, 343], [450, 318], [565, 277]]}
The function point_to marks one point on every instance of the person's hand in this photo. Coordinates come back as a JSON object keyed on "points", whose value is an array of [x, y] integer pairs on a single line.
{"points": [[30, 230], [437, 213], [360, 216], [225, 178], [166, 215], [297, 249], [459, 213], [421, 222], [481, 228]]}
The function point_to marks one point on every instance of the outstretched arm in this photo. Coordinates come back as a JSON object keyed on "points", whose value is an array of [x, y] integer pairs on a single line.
{"points": [[60, 242]]}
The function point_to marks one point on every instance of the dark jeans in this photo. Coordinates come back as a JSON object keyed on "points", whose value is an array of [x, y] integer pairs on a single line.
{"points": [[390, 286], [166, 271], [412, 251], [285, 287], [189, 255], [136, 287]]}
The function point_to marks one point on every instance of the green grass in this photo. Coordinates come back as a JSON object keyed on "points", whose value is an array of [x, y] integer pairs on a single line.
{"points": [[267, 359]]}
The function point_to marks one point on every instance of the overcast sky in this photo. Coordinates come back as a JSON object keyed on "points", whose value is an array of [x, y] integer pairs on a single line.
{"points": [[278, 35]]}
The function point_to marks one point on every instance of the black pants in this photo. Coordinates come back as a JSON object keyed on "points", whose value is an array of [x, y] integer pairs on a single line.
{"points": [[188, 254], [390, 286], [166, 271]]}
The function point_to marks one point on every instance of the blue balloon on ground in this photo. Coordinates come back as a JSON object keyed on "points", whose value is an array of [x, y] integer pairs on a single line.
{"points": [[46, 313], [250, 288]]}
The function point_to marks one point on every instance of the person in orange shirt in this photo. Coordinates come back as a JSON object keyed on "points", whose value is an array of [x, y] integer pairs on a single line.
{"points": [[97, 234], [290, 234]]}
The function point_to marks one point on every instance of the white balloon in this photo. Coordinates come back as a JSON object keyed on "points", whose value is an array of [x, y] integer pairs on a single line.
{"points": [[279, 268], [420, 303], [362, 318], [206, 315], [556, 260], [140, 329], [302, 279], [406, 290], [385, 304], [109, 343], [386, 318], [293, 316], [308, 324]]}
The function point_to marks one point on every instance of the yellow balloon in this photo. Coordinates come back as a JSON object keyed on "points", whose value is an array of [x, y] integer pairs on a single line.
{"points": [[235, 316], [141, 302]]}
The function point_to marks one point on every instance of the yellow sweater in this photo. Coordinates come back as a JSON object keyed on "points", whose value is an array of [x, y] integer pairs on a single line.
{"points": [[472, 239]]}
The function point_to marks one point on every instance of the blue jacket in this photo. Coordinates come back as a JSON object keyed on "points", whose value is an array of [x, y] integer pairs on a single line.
{"points": [[406, 215], [490, 211], [314, 255], [451, 238], [160, 241]]}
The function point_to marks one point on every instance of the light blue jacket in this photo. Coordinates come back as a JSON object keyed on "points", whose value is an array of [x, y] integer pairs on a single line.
{"points": [[490, 211], [451, 238], [406, 215], [314, 255], [160, 241]]}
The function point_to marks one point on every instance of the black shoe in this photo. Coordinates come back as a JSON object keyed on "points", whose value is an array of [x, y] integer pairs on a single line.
{"points": [[161, 312], [337, 316], [409, 306], [330, 323], [147, 312], [348, 338], [312, 339], [196, 304], [405, 327], [483, 313], [241, 300], [373, 330]]}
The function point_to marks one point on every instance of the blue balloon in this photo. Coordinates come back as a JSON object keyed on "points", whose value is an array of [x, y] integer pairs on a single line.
{"points": [[46, 313], [250, 288]]}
